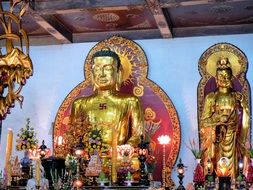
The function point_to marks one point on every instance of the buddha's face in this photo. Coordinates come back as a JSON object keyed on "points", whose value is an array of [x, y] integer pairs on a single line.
{"points": [[224, 78], [104, 70]]}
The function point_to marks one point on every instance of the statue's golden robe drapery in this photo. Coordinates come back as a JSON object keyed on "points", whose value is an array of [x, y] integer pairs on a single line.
{"points": [[120, 112]]}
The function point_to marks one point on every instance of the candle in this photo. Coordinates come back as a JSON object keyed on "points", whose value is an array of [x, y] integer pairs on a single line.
{"points": [[60, 140], [8, 146], [37, 172], [114, 155], [8, 167]]}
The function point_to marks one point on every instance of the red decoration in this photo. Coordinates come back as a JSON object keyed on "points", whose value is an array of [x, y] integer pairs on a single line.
{"points": [[249, 176], [198, 176]]}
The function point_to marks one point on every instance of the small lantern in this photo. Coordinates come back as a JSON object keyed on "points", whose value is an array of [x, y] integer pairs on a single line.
{"points": [[78, 183], [34, 154], [180, 167], [79, 149], [44, 151], [240, 164], [241, 177], [180, 171]]}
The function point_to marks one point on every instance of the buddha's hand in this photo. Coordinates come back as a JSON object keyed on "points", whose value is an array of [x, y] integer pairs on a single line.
{"points": [[217, 119], [222, 119]]}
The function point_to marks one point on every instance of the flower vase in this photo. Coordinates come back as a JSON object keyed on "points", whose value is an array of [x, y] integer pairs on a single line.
{"points": [[25, 162], [128, 183], [198, 160], [101, 183], [198, 175], [249, 175]]}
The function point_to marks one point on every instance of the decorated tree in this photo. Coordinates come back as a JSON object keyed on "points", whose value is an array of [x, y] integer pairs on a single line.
{"points": [[26, 138], [76, 131]]}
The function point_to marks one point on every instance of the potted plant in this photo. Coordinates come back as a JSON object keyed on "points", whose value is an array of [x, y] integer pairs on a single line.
{"points": [[102, 179]]}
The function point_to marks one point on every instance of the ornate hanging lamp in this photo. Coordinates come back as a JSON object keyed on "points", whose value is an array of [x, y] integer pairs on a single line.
{"points": [[15, 64]]}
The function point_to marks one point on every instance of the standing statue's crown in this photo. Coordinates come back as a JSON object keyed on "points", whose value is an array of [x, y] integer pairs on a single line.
{"points": [[223, 63]]}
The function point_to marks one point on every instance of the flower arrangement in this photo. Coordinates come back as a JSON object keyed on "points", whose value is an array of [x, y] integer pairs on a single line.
{"points": [[61, 180], [125, 151], [196, 151], [123, 171], [71, 163], [26, 139], [249, 177], [102, 178], [125, 168], [151, 163], [94, 143]]}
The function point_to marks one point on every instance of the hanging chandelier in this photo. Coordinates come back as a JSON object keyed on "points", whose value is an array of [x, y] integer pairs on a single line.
{"points": [[15, 64]]}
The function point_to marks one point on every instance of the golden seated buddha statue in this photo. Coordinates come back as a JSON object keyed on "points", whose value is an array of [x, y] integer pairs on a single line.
{"points": [[117, 116]]}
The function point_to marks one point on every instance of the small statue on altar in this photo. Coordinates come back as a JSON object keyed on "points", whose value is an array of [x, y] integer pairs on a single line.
{"points": [[94, 166], [224, 121], [118, 117]]}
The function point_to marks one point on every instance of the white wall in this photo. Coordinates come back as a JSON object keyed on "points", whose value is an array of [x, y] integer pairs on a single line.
{"points": [[173, 65]]}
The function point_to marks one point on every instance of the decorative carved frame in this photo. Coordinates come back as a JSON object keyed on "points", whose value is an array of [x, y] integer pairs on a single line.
{"points": [[207, 69]]}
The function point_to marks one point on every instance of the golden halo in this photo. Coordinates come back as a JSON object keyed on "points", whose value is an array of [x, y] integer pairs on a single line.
{"points": [[233, 59], [126, 66], [132, 57]]}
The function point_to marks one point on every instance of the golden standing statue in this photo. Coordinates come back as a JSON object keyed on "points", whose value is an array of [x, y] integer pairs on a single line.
{"points": [[224, 111], [118, 116]]}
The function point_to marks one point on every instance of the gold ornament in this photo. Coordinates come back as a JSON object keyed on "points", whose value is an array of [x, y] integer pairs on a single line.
{"points": [[224, 115], [15, 66]]}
